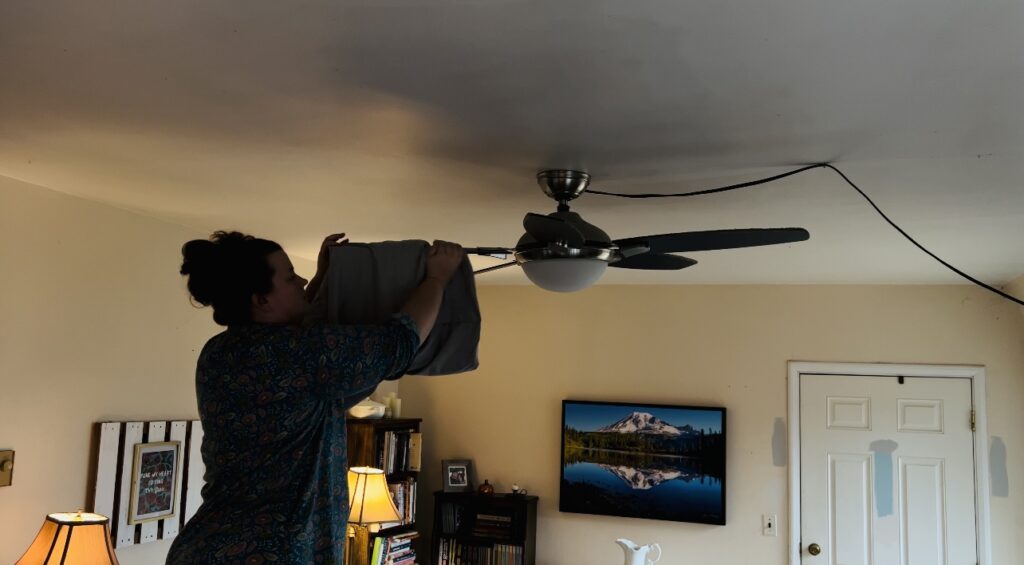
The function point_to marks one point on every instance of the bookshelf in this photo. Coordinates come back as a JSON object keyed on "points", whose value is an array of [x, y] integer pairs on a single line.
{"points": [[475, 529], [394, 445]]}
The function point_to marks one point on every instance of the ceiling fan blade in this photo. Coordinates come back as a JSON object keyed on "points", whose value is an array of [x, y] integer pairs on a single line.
{"points": [[546, 229], [654, 262], [714, 239], [495, 252]]}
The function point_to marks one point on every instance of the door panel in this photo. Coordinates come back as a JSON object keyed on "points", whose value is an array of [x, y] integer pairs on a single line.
{"points": [[850, 507], [887, 470], [922, 501]]}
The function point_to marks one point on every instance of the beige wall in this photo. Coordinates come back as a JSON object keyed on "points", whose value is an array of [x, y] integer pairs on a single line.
{"points": [[715, 345], [1016, 289], [96, 326]]}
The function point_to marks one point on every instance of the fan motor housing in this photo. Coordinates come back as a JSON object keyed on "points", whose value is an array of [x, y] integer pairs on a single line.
{"points": [[595, 237], [555, 251]]}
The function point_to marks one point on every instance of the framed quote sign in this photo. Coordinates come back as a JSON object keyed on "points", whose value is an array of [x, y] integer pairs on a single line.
{"points": [[154, 481]]}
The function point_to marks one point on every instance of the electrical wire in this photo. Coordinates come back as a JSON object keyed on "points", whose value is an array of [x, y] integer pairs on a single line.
{"points": [[848, 181], [713, 190]]}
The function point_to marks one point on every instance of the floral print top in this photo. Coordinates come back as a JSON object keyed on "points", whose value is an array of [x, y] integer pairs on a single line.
{"points": [[272, 401]]}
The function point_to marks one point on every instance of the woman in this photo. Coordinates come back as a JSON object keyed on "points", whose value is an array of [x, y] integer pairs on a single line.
{"points": [[272, 395]]}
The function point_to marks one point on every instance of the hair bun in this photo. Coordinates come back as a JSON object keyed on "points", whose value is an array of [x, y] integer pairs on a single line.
{"points": [[201, 261], [226, 270], [198, 255]]}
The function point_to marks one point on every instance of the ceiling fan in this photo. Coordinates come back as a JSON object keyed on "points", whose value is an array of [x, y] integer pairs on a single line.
{"points": [[563, 253]]}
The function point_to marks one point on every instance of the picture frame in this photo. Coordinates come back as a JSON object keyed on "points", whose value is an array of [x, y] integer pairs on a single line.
{"points": [[154, 481], [652, 461], [455, 474]]}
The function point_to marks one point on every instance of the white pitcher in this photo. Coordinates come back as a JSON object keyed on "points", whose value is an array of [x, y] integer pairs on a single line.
{"points": [[637, 554]]}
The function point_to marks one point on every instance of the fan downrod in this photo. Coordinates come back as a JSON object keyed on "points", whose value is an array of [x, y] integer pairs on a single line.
{"points": [[563, 185]]}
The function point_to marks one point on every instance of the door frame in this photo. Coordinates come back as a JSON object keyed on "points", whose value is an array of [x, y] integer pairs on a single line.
{"points": [[976, 374]]}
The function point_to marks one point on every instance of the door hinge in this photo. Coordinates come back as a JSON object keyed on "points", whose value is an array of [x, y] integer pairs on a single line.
{"points": [[973, 421]]}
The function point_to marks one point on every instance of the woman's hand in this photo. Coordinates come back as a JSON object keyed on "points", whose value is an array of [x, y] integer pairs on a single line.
{"points": [[443, 258], [323, 261]]}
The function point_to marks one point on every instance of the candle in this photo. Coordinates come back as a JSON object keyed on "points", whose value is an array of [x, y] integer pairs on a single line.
{"points": [[396, 407]]}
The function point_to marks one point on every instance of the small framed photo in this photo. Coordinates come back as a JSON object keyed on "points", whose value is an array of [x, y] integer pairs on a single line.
{"points": [[456, 475], [154, 481]]}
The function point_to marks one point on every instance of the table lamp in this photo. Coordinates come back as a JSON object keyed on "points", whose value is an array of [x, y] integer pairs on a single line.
{"points": [[72, 538], [369, 502]]}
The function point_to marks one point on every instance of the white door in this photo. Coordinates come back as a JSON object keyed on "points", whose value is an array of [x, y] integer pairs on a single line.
{"points": [[886, 471]]}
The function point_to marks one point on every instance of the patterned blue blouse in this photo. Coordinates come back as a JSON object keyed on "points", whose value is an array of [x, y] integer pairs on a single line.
{"points": [[272, 401]]}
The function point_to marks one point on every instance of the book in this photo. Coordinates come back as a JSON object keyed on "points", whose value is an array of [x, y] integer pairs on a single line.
{"points": [[397, 548], [415, 451], [403, 494], [378, 550], [494, 517]]}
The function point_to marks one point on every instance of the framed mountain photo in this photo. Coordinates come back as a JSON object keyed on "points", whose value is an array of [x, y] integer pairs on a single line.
{"points": [[651, 461]]}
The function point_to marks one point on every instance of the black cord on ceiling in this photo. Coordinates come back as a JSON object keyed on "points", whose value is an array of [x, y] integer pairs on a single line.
{"points": [[848, 181]]}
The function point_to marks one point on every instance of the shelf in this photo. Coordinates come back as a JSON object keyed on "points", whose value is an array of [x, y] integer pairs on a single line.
{"points": [[384, 443], [482, 540], [395, 530], [500, 496], [385, 423], [462, 513]]}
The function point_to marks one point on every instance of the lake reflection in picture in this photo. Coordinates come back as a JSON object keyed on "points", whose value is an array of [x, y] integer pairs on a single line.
{"points": [[645, 461]]}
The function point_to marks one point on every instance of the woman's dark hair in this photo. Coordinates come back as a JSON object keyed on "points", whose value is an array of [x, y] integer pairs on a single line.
{"points": [[225, 271]]}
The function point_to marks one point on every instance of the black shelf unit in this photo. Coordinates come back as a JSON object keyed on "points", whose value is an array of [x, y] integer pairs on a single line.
{"points": [[478, 522]]}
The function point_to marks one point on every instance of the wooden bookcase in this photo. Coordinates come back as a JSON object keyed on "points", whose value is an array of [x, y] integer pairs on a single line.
{"points": [[386, 443], [476, 529]]}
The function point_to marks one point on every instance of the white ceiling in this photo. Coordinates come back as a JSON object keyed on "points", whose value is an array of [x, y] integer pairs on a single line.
{"points": [[394, 119]]}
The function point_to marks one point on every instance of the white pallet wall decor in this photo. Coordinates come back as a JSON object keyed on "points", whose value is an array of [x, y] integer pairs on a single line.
{"points": [[112, 490]]}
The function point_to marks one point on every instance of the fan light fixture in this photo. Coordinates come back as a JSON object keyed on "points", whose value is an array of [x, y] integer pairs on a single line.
{"points": [[564, 275], [560, 268]]}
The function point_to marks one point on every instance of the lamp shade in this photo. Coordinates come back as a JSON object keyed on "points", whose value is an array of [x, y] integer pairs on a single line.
{"points": [[369, 499], [72, 538]]}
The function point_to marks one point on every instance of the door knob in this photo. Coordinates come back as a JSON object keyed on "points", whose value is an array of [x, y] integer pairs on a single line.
{"points": [[814, 549]]}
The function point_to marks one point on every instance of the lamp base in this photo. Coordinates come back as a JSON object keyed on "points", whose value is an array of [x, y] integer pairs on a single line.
{"points": [[359, 546]]}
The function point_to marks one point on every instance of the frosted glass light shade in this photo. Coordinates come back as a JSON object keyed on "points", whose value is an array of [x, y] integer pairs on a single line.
{"points": [[564, 275], [369, 499], [70, 538]]}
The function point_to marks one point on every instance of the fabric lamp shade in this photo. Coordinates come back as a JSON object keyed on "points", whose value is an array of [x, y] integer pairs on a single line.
{"points": [[71, 538], [369, 499]]}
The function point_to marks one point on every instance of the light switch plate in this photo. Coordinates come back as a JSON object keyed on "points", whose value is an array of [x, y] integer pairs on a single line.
{"points": [[6, 468], [769, 525]]}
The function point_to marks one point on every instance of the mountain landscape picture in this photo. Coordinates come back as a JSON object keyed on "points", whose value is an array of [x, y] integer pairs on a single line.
{"points": [[643, 461]]}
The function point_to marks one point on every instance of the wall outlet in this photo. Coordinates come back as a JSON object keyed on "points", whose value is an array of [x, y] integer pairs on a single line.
{"points": [[769, 525], [6, 468]]}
